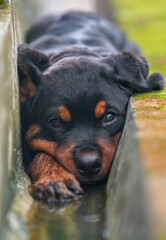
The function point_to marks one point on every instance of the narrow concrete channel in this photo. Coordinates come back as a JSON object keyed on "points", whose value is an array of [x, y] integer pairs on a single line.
{"points": [[116, 210]]}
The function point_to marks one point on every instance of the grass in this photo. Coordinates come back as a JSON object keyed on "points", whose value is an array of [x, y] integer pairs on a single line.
{"points": [[144, 22]]}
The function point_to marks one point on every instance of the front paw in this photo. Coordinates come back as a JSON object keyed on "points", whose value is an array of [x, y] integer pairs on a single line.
{"points": [[56, 191]]}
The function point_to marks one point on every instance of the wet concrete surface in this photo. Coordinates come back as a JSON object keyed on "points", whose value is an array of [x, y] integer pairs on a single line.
{"points": [[81, 219]]}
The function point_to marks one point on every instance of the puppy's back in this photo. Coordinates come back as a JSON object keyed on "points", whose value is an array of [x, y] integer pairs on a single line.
{"points": [[80, 29]]}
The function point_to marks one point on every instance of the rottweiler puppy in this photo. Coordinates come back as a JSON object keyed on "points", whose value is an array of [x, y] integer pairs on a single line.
{"points": [[77, 72]]}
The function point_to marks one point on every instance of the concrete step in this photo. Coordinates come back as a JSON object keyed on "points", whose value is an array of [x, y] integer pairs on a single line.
{"points": [[9, 130]]}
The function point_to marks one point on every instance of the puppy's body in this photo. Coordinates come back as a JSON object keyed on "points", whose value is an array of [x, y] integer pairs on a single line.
{"points": [[84, 32], [75, 83]]}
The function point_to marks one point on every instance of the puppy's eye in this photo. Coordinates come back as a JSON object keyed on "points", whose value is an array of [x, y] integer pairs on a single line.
{"points": [[55, 122], [108, 118]]}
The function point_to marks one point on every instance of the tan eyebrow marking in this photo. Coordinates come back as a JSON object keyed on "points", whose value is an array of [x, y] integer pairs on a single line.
{"points": [[100, 109], [64, 114]]}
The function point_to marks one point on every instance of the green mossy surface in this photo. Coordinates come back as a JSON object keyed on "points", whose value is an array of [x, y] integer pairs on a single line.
{"points": [[157, 95]]}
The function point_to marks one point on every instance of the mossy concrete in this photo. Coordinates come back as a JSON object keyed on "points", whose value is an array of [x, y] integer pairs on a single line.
{"points": [[145, 22]]}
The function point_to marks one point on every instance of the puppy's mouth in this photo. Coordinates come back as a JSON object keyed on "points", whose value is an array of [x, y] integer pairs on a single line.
{"points": [[90, 180], [93, 182]]}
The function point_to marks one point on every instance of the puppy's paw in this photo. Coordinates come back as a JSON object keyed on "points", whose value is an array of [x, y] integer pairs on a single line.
{"points": [[56, 191]]}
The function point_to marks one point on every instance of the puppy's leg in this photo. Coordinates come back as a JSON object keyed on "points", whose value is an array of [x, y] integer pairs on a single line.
{"points": [[50, 182]]}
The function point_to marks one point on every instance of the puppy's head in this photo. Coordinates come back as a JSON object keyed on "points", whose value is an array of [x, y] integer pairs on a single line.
{"points": [[76, 105]]}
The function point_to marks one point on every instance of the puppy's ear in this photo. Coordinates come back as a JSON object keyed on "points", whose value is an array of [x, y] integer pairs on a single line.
{"points": [[31, 64], [131, 72]]}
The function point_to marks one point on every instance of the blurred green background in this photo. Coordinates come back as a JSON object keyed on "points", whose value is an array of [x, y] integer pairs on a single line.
{"points": [[145, 23]]}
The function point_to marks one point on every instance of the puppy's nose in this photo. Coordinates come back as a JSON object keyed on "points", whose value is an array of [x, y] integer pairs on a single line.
{"points": [[88, 164]]}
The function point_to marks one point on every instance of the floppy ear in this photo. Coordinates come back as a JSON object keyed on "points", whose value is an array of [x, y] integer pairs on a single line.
{"points": [[31, 63], [131, 72]]}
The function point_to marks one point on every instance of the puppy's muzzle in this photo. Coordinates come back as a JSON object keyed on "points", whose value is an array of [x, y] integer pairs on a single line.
{"points": [[88, 161]]}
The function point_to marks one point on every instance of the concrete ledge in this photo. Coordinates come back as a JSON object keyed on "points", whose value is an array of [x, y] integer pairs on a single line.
{"points": [[8, 104], [126, 210]]}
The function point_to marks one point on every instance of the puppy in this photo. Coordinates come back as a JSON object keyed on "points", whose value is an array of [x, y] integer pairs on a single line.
{"points": [[77, 73]]}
